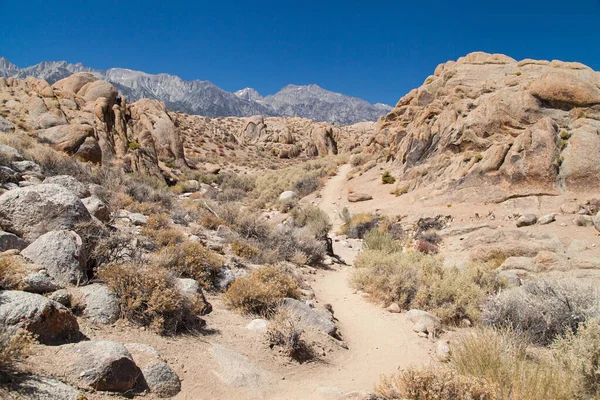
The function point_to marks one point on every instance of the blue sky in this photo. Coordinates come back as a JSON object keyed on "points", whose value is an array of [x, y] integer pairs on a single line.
{"points": [[374, 50]]}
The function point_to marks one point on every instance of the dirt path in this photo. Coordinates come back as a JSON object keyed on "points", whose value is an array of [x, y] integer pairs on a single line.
{"points": [[378, 342]]}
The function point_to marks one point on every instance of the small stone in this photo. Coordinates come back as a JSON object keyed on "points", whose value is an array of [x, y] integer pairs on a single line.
{"points": [[526, 220], [258, 325], [394, 308]]}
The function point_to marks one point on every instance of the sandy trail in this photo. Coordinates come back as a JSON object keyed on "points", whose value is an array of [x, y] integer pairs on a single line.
{"points": [[379, 342]]}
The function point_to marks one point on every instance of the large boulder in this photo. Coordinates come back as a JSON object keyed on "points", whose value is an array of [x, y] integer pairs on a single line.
{"points": [[49, 321], [61, 254], [102, 365], [67, 138], [33, 387], [73, 83], [310, 317], [32, 211], [101, 305], [562, 87], [70, 183]]}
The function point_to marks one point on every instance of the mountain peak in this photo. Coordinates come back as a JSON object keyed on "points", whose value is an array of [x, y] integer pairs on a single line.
{"points": [[248, 94]]}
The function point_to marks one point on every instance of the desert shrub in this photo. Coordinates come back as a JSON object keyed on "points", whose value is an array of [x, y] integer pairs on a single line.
{"points": [[543, 310], [211, 221], [381, 241], [425, 247], [14, 346], [357, 159], [429, 236], [579, 352], [262, 290], [289, 240], [415, 280], [359, 225], [287, 205], [245, 183], [192, 260], [247, 223], [306, 185], [230, 194], [113, 248], [345, 215], [502, 359], [300, 178], [284, 332], [161, 231], [434, 384], [313, 218], [148, 296], [387, 178], [244, 250]]}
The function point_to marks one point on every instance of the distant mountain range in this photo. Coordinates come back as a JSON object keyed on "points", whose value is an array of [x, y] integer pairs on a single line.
{"points": [[205, 98]]}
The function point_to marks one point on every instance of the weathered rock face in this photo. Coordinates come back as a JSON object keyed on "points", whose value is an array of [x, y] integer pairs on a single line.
{"points": [[60, 253], [32, 211], [488, 121], [85, 117], [49, 321]]}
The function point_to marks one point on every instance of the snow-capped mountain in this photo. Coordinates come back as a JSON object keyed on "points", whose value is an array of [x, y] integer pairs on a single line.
{"points": [[205, 98]]}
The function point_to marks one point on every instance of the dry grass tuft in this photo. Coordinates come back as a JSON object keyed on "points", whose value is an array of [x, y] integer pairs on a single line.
{"points": [[14, 346], [12, 272], [148, 296], [192, 260], [434, 384], [261, 291], [415, 280], [161, 231], [285, 333]]}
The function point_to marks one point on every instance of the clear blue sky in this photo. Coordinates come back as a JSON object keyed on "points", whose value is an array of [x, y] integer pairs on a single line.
{"points": [[374, 50]]}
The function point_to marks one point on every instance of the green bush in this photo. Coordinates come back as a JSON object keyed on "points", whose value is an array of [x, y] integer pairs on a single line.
{"points": [[387, 178]]}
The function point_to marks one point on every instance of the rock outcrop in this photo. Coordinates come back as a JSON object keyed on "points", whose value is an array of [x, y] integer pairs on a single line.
{"points": [[497, 128]]}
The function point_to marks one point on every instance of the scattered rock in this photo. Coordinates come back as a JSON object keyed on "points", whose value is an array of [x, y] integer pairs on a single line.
{"points": [[41, 388], [161, 379], [258, 325], [101, 305], [583, 220], [212, 168], [9, 241], [7, 175], [70, 183], [97, 208], [310, 317], [443, 350], [60, 253], [32, 211], [158, 375], [61, 296], [237, 371], [39, 282], [526, 220], [6, 126], [570, 208], [424, 322], [355, 197], [102, 365], [51, 322], [596, 221], [547, 219], [394, 308], [288, 196]]}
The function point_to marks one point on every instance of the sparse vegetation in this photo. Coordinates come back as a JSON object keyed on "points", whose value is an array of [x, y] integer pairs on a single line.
{"points": [[161, 231], [261, 291], [14, 346], [359, 225], [543, 310], [192, 260], [133, 145], [11, 272], [432, 384], [285, 333], [387, 178], [244, 250], [148, 296], [415, 280]]}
